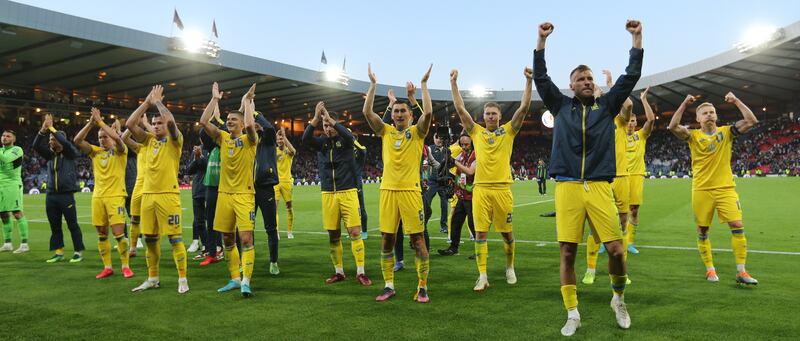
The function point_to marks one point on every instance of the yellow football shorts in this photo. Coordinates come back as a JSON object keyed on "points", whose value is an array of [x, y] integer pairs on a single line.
{"points": [[577, 201], [161, 214], [107, 211], [621, 188], [340, 206], [397, 205], [235, 210], [637, 189], [283, 191], [724, 200], [492, 206], [136, 200]]}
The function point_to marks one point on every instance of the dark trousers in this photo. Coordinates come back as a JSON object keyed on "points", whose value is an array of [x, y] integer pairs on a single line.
{"points": [[63, 204], [128, 209], [432, 191], [363, 210], [199, 222], [213, 238], [462, 211], [542, 186], [265, 200]]}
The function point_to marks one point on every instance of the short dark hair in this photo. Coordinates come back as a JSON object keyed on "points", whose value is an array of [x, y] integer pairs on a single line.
{"points": [[579, 68], [492, 105], [11, 132], [400, 101]]}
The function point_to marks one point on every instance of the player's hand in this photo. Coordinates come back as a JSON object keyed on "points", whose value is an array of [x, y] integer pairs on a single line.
{"points": [[372, 78], [392, 98], [545, 29], [197, 151], [528, 72], [633, 26], [643, 94], [96, 115], [215, 93], [690, 99], [411, 89], [47, 122], [427, 74], [251, 93], [116, 125], [453, 76], [157, 95], [319, 109], [731, 98]]}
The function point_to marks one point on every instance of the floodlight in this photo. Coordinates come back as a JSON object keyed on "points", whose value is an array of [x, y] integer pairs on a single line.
{"points": [[479, 91], [758, 36], [547, 119]]}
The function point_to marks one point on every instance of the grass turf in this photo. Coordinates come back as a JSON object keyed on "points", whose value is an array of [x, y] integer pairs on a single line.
{"points": [[669, 297]]}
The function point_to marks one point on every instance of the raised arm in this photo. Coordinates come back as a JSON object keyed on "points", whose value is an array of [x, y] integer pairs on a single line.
{"points": [[627, 109], [136, 118], [620, 91], [749, 119], [387, 115], [131, 143], [647, 128], [609, 79], [40, 141], [374, 121], [463, 115], [308, 134], [675, 123], [548, 91], [424, 122], [80, 138], [205, 120], [169, 120], [199, 162], [249, 112], [525, 103], [287, 144], [111, 132]]}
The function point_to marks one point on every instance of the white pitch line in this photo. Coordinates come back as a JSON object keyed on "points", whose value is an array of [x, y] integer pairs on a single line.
{"points": [[520, 205]]}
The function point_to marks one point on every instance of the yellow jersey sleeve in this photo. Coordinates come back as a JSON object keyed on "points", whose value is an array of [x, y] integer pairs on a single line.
{"points": [[237, 163], [109, 172], [162, 160], [285, 160], [711, 158], [493, 154], [402, 155]]}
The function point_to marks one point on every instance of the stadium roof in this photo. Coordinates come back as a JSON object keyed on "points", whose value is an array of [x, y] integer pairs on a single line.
{"points": [[51, 50]]}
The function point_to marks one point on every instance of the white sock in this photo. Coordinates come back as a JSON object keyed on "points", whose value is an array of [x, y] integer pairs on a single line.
{"points": [[483, 276], [573, 314], [340, 271], [245, 281], [590, 271], [740, 267], [711, 268], [389, 285], [152, 279], [237, 280], [360, 270]]}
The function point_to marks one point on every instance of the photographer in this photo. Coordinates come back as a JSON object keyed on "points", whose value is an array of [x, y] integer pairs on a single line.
{"points": [[439, 178], [465, 172]]}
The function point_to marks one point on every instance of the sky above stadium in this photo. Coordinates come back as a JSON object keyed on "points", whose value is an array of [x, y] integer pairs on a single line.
{"points": [[489, 42]]}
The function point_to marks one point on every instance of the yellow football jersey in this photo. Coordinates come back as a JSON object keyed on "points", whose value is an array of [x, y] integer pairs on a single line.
{"points": [[635, 148], [711, 158], [455, 149], [284, 165], [162, 159], [141, 160], [109, 172], [237, 163], [620, 144], [402, 156], [493, 154]]}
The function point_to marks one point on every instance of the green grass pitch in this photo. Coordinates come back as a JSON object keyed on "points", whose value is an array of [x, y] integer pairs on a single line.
{"points": [[669, 297]]}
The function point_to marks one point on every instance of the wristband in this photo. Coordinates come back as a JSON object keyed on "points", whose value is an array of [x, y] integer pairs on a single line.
{"points": [[53, 130]]}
